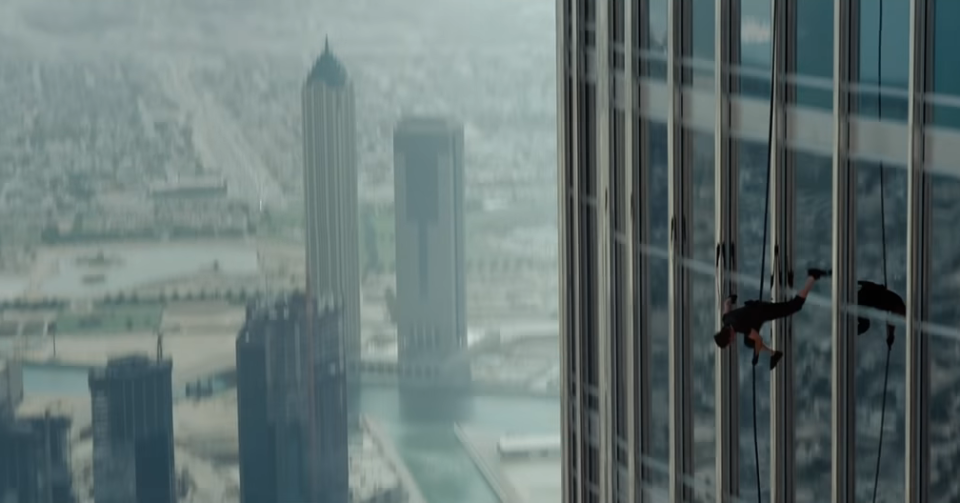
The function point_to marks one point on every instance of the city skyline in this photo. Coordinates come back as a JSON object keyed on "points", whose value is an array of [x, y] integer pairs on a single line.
{"points": [[172, 171]]}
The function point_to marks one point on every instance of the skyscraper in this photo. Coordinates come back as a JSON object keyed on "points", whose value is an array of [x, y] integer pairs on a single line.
{"points": [[291, 403], [132, 419], [428, 201], [662, 104], [330, 192]]}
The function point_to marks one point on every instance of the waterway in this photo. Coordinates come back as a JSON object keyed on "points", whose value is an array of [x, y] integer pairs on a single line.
{"points": [[419, 423]]}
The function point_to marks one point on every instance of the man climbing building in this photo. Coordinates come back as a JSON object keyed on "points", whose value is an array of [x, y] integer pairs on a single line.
{"points": [[880, 298], [748, 319]]}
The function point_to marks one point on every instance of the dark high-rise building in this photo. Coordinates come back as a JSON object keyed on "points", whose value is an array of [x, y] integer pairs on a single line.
{"points": [[431, 304], [132, 413], [35, 460], [291, 403]]}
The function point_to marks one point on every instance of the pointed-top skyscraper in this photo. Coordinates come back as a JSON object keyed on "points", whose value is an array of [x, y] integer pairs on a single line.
{"points": [[330, 189]]}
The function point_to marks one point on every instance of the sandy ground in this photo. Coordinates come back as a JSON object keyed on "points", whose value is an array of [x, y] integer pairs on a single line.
{"points": [[193, 356]]}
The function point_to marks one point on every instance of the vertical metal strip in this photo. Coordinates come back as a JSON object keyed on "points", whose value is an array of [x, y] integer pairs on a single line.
{"points": [[600, 304], [726, 183], [637, 380], [843, 473], [681, 421], [919, 192], [781, 264], [569, 60]]}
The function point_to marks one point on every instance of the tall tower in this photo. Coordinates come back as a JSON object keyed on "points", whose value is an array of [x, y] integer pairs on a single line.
{"points": [[132, 416], [291, 404], [428, 184], [330, 190]]}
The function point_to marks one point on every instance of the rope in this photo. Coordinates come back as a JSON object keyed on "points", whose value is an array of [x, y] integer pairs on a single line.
{"points": [[883, 413], [756, 448], [766, 216], [883, 238]]}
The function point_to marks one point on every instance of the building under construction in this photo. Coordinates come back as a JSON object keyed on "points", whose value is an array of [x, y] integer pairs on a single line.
{"points": [[291, 403], [132, 413], [34, 450]]}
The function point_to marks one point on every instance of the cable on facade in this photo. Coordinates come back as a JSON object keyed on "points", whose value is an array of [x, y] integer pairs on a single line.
{"points": [[774, 71], [883, 238]]}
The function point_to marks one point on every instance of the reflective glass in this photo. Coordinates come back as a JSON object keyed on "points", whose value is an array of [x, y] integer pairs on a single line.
{"points": [[871, 243], [811, 328], [659, 289], [885, 49], [946, 72], [704, 300], [700, 62], [814, 53], [654, 47], [755, 47], [944, 349], [753, 171]]}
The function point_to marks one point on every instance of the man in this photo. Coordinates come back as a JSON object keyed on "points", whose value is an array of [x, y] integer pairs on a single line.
{"points": [[880, 298], [748, 319]]}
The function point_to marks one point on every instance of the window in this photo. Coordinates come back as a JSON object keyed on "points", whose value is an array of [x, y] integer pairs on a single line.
{"points": [[813, 46], [946, 78], [887, 52]]}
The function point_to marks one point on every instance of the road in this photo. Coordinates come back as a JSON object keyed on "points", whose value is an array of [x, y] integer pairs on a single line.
{"points": [[217, 137]]}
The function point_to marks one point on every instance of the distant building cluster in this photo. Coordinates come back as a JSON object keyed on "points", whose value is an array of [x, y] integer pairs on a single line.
{"points": [[183, 208]]}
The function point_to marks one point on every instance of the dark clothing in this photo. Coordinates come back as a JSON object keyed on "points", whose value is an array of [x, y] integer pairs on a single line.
{"points": [[880, 298], [755, 313]]}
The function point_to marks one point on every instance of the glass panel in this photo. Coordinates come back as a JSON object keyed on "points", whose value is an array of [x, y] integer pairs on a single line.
{"points": [[944, 352], [871, 348], [752, 181], [811, 328], [703, 299], [659, 292], [755, 47], [704, 12], [887, 51], [814, 53], [702, 25], [654, 47], [946, 73]]}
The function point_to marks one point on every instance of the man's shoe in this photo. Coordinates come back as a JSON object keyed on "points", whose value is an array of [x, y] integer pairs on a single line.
{"points": [[817, 273], [775, 359]]}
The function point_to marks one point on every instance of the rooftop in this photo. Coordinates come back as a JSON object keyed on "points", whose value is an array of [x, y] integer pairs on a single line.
{"points": [[327, 69], [425, 123]]}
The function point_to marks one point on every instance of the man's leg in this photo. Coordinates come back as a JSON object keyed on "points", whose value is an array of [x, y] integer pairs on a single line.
{"points": [[776, 310], [754, 341]]}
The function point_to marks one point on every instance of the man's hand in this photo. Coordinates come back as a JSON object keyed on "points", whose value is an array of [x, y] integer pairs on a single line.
{"points": [[732, 298]]}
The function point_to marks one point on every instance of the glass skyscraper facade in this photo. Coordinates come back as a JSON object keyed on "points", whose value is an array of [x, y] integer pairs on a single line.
{"points": [[671, 112]]}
